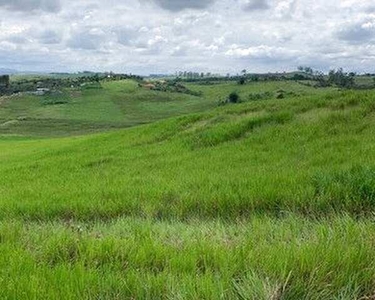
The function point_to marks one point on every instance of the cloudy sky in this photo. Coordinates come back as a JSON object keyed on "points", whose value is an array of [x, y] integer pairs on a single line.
{"points": [[164, 36]]}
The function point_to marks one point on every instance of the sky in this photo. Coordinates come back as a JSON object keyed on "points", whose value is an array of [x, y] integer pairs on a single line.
{"points": [[165, 36]]}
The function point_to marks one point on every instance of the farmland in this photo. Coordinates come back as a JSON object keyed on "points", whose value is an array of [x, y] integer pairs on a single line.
{"points": [[128, 193]]}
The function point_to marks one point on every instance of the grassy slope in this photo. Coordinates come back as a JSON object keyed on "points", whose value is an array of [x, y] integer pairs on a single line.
{"points": [[117, 105], [262, 200]]}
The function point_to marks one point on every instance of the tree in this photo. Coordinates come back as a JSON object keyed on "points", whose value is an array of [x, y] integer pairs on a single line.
{"points": [[242, 81], [298, 77], [309, 70], [341, 79], [321, 79], [255, 78], [96, 78]]}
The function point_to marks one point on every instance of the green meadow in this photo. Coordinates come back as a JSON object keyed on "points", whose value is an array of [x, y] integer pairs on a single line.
{"points": [[126, 193]]}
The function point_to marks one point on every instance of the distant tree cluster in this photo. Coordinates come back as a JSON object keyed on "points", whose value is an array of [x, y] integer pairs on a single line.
{"points": [[307, 70], [305, 75], [341, 79], [335, 77], [4, 82]]}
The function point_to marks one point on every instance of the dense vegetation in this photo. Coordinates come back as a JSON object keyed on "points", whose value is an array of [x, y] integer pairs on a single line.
{"points": [[264, 198]]}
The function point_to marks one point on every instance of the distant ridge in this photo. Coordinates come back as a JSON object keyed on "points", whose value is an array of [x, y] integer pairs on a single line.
{"points": [[4, 71]]}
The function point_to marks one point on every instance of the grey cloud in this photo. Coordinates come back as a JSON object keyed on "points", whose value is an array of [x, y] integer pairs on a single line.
{"points": [[86, 39], [17, 39], [178, 5], [126, 35], [49, 37], [356, 33], [256, 5], [46, 37], [30, 5]]}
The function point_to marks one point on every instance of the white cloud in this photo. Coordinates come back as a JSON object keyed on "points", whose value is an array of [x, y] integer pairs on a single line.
{"points": [[262, 52], [143, 36], [8, 46]]}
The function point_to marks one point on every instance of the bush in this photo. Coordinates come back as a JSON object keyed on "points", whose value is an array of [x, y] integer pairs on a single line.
{"points": [[242, 81], [233, 98]]}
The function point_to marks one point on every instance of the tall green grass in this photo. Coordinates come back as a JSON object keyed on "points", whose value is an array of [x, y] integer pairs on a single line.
{"points": [[227, 163], [268, 199], [263, 258]]}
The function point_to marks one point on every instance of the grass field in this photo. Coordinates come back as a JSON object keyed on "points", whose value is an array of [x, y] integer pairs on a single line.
{"points": [[267, 199], [118, 104]]}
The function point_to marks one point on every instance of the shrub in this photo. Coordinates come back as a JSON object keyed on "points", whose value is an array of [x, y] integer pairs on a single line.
{"points": [[280, 94], [242, 81], [233, 98]]}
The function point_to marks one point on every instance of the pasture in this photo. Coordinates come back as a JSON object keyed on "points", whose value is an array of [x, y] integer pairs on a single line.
{"points": [[126, 193]]}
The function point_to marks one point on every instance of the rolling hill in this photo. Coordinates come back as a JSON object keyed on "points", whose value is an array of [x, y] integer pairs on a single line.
{"points": [[266, 199]]}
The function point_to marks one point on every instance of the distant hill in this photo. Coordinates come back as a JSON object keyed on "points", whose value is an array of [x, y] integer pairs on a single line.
{"points": [[4, 71], [121, 104]]}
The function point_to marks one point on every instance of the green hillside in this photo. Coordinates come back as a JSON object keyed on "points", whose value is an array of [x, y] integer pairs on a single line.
{"points": [[118, 104], [266, 199], [78, 111]]}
